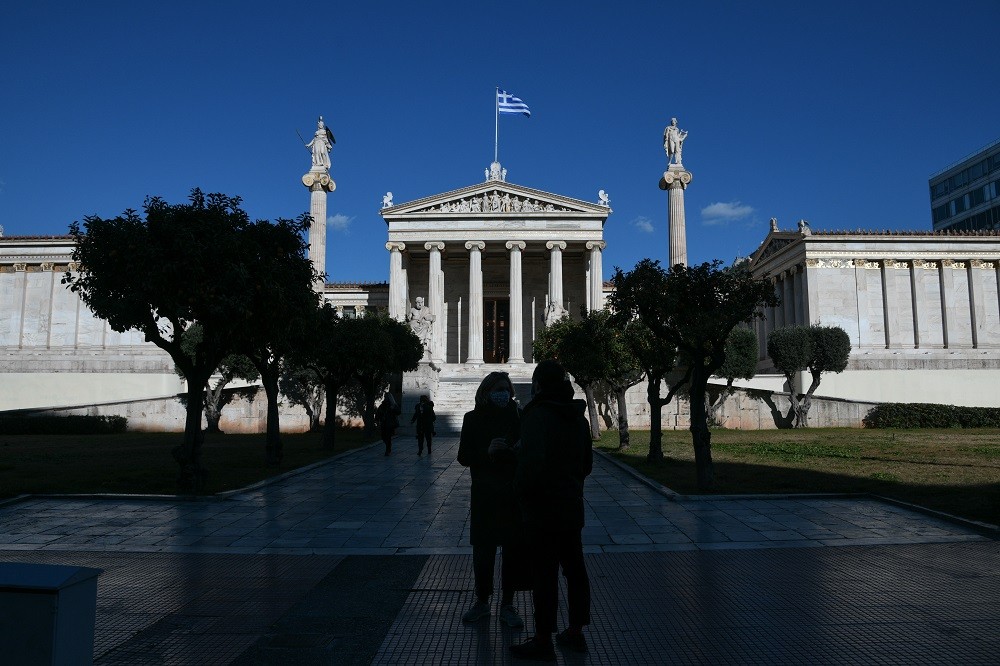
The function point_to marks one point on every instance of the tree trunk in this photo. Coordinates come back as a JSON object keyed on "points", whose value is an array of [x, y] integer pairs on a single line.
{"points": [[802, 415], [330, 427], [588, 392], [269, 378], [655, 419], [213, 409], [623, 435], [191, 476], [701, 436]]}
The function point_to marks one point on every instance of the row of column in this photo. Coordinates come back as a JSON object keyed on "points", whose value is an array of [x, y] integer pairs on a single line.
{"points": [[435, 291], [893, 304]]}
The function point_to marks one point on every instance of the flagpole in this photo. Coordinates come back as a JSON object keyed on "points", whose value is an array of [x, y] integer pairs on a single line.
{"points": [[496, 129]]}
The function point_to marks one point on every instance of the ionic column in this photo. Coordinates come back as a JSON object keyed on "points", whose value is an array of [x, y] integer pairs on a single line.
{"points": [[435, 300], [676, 179], [555, 273], [397, 291], [475, 249], [788, 299], [319, 183], [596, 285], [516, 315]]}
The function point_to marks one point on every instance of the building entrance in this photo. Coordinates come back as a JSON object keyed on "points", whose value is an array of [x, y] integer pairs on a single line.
{"points": [[496, 316]]}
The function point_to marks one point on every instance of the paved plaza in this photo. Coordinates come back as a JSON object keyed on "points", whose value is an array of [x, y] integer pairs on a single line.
{"points": [[365, 559]]}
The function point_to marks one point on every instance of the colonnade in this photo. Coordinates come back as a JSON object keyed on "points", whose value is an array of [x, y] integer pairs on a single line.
{"points": [[398, 291], [945, 303]]}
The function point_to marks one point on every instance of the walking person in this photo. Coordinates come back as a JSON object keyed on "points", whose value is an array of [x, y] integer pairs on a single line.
{"points": [[489, 433], [554, 457], [387, 420], [424, 417]]}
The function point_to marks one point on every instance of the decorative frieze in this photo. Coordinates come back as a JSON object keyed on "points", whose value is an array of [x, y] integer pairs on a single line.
{"points": [[983, 265], [950, 263], [926, 265], [495, 201], [898, 265]]}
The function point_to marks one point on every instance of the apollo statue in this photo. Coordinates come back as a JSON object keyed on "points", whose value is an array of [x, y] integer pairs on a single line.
{"points": [[673, 142]]}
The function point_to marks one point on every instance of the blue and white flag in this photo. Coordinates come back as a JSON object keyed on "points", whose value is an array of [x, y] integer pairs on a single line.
{"points": [[507, 103]]}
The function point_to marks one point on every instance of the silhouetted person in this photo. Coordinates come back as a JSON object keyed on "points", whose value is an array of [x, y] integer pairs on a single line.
{"points": [[424, 417], [554, 457], [387, 420], [486, 447]]}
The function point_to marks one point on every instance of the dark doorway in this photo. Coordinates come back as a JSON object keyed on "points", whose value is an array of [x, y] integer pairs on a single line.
{"points": [[496, 314]]}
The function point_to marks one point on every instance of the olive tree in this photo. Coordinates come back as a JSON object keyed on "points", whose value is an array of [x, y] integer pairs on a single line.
{"points": [[817, 349]]}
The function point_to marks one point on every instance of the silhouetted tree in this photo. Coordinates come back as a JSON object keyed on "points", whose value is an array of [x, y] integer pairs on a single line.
{"points": [[303, 387], [693, 309], [740, 363], [817, 349], [159, 274]]}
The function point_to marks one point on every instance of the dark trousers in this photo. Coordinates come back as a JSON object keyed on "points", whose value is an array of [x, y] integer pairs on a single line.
{"points": [[552, 549], [387, 439], [483, 561], [421, 436]]}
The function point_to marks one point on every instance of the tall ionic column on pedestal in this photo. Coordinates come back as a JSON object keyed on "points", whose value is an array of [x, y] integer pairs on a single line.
{"points": [[516, 313], [435, 300], [397, 290], [556, 308], [319, 183], [475, 249], [675, 179], [596, 285]]}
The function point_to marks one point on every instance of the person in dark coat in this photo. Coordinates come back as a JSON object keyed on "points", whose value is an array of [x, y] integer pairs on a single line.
{"points": [[424, 417], [554, 457], [489, 433], [387, 420]]}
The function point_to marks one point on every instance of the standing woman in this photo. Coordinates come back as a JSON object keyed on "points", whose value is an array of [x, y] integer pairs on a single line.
{"points": [[489, 433], [387, 420]]}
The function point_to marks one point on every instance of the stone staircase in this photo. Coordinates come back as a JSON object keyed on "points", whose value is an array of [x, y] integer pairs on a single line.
{"points": [[455, 393]]}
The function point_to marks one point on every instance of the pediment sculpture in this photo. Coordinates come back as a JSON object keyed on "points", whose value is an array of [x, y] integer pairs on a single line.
{"points": [[495, 201]]}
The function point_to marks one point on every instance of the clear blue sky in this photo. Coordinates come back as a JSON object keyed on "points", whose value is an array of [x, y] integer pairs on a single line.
{"points": [[835, 112]]}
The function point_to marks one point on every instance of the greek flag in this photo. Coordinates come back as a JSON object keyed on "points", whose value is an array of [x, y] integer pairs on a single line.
{"points": [[507, 103]]}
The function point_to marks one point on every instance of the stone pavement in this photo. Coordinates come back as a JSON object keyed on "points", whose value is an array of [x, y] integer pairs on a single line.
{"points": [[676, 580]]}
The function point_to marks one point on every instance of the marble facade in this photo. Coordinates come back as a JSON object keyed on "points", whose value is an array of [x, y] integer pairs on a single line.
{"points": [[922, 309]]}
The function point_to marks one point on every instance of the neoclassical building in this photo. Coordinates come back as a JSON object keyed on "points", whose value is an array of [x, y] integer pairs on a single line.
{"points": [[921, 309], [491, 262]]}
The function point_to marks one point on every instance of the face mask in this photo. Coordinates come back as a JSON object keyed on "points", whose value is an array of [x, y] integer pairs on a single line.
{"points": [[500, 398]]}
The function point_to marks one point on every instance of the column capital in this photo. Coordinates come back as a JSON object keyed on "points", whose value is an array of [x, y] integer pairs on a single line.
{"points": [[475, 245], [596, 245], [319, 182], [675, 178], [552, 245], [393, 246], [434, 245], [511, 245]]}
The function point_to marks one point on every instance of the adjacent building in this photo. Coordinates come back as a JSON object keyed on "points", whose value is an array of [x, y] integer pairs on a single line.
{"points": [[966, 195]]}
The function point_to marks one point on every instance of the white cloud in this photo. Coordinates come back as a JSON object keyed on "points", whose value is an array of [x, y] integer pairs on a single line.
{"points": [[643, 223], [339, 222], [725, 212]]}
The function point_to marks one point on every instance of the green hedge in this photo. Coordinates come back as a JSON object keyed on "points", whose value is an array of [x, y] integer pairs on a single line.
{"points": [[62, 425], [924, 415]]}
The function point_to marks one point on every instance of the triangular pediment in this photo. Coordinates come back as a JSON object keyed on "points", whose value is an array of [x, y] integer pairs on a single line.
{"points": [[774, 243], [494, 198]]}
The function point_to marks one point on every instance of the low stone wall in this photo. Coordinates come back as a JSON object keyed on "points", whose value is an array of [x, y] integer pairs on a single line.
{"points": [[744, 409]]}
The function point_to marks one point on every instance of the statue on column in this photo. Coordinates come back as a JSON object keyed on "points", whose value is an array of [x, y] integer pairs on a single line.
{"points": [[321, 145], [673, 142], [421, 320]]}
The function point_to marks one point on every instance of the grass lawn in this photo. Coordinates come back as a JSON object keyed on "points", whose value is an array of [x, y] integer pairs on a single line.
{"points": [[956, 471], [142, 463]]}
